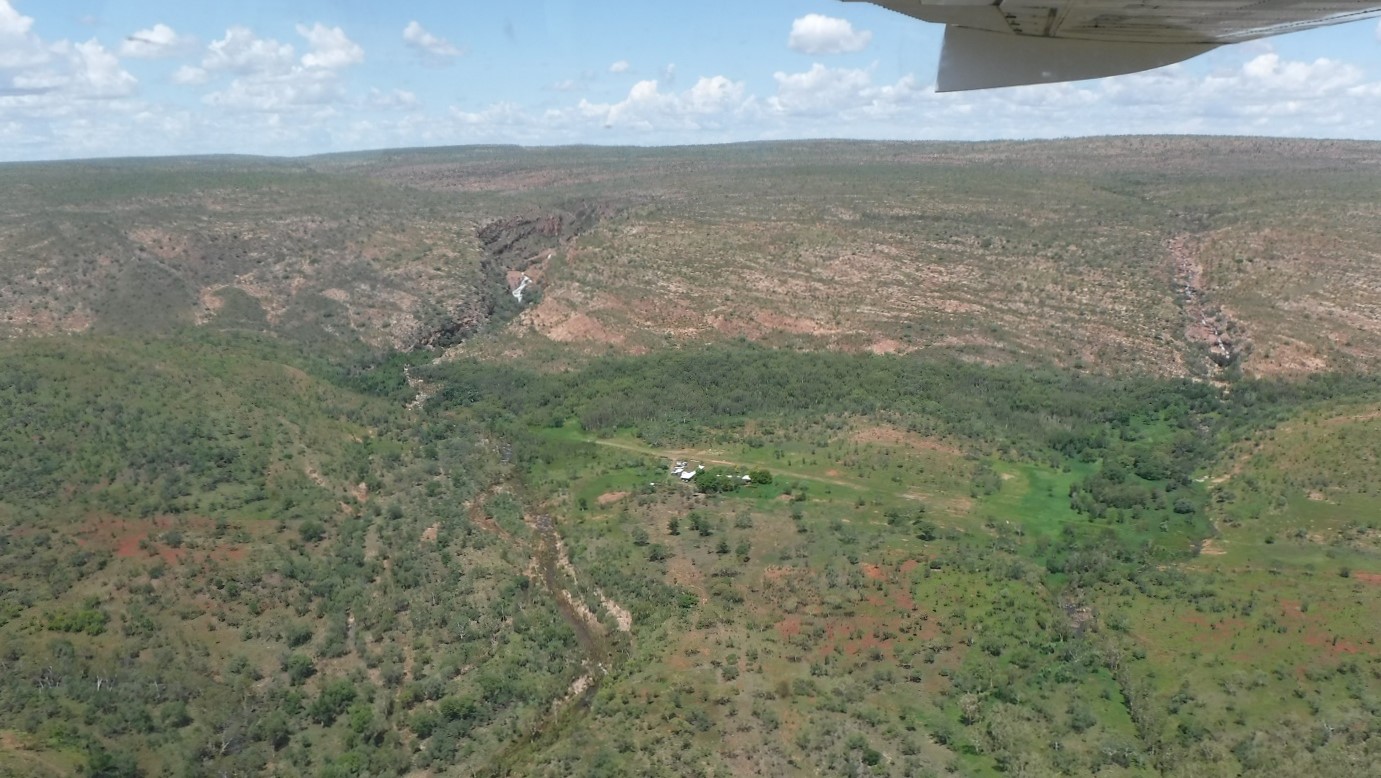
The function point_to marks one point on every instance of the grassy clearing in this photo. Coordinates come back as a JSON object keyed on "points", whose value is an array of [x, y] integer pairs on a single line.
{"points": [[1038, 496]]}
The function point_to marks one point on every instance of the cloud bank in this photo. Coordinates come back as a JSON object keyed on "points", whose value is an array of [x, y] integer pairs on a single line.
{"points": [[248, 92]]}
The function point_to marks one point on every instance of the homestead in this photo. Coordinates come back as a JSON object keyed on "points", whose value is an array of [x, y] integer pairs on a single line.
{"points": [[722, 481], [684, 471]]}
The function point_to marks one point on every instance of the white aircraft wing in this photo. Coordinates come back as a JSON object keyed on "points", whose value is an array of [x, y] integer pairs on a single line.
{"points": [[991, 43]]}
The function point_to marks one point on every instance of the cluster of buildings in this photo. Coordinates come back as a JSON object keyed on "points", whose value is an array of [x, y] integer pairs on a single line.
{"points": [[684, 471]]}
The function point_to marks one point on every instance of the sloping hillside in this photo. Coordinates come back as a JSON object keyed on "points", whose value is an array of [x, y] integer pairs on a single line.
{"points": [[778, 459]]}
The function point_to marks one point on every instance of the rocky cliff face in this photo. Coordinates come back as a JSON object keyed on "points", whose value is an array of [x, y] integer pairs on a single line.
{"points": [[525, 236], [511, 245]]}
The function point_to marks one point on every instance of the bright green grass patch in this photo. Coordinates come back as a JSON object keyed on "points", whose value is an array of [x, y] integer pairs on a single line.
{"points": [[1036, 497]]}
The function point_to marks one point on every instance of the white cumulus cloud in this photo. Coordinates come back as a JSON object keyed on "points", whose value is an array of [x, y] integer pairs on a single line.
{"points": [[241, 51], [97, 73], [1321, 75], [270, 78], [41, 78], [621, 66], [820, 34], [330, 47], [157, 42], [82, 70], [191, 75], [393, 100], [714, 94], [308, 88], [819, 91], [19, 46], [708, 103], [434, 50]]}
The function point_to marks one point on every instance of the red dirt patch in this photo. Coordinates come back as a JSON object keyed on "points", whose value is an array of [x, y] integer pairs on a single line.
{"points": [[679, 662], [564, 325], [891, 436], [683, 573], [231, 553], [127, 537], [1368, 578], [854, 636], [1331, 643], [129, 545], [901, 597], [796, 325], [169, 554], [1316, 633], [141, 538], [789, 626], [900, 594], [609, 498]]}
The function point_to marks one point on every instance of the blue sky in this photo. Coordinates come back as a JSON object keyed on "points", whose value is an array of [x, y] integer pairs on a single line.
{"points": [[82, 78]]}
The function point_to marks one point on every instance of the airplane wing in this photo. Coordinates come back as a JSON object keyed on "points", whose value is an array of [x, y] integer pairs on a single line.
{"points": [[991, 43]]}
